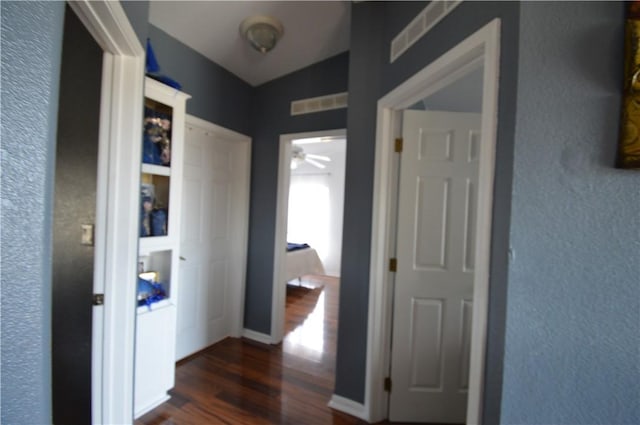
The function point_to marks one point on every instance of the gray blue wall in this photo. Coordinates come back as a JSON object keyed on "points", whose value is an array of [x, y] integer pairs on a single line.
{"points": [[371, 76], [263, 113], [572, 347], [572, 343], [137, 12], [74, 205], [271, 117], [366, 59], [31, 49], [218, 96], [31, 36]]}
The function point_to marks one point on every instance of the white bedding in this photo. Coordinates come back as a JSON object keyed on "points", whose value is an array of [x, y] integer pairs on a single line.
{"points": [[303, 262]]}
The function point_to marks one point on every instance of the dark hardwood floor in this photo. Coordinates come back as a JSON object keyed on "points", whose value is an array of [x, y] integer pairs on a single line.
{"points": [[238, 381]]}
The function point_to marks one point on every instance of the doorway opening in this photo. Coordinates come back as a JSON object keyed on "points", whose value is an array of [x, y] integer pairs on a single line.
{"points": [[480, 50], [309, 217], [116, 209], [74, 213], [314, 245]]}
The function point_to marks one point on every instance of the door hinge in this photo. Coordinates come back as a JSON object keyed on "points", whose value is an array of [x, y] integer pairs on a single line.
{"points": [[98, 299], [393, 264], [398, 146], [387, 384]]}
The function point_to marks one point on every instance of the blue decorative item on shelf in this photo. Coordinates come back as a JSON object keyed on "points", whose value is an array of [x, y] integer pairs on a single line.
{"points": [[145, 228], [159, 222], [147, 200], [156, 146], [152, 64], [149, 292], [153, 69], [148, 149]]}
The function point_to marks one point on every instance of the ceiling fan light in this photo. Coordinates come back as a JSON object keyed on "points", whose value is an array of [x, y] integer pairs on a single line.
{"points": [[262, 32], [315, 163], [320, 157]]}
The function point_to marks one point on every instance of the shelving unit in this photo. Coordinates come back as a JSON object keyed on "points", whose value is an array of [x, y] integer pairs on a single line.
{"points": [[159, 243]]}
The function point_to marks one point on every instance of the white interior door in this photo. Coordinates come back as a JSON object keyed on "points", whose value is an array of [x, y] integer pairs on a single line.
{"points": [[213, 238], [434, 281]]}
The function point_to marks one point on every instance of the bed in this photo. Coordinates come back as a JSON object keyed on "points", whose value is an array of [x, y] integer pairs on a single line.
{"points": [[302, 260]]}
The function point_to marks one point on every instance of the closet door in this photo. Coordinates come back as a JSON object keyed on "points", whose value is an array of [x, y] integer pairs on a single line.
{"points": [[214, 228]]}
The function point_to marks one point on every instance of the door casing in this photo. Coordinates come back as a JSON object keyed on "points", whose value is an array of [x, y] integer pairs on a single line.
{"points": [[279, 293], [116, 227], [480, 49]]}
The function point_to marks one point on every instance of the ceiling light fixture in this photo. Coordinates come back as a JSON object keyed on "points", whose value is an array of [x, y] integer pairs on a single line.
{"points": [[262, 32], [298, 156]]}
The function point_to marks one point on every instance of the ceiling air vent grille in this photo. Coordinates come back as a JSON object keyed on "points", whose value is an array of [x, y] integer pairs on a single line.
{"points": [[427, 19], [319, 104]]}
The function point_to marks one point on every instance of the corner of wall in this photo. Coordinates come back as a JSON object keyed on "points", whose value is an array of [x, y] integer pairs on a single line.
{"points": [[31, 55]]}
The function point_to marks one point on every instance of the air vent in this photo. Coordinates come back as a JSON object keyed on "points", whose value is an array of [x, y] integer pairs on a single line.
{"points": [[427, 19], [319, 104]]}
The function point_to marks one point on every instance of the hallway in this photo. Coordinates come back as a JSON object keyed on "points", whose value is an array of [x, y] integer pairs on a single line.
{"points": [[238, 381]]}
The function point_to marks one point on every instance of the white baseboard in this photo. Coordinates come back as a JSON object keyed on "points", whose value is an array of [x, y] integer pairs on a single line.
{"points": [[256, 336], [348, 406], [149, 407]]}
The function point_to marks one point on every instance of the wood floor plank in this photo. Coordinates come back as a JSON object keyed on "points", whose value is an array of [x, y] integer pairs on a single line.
{"points": [[238, 381]]}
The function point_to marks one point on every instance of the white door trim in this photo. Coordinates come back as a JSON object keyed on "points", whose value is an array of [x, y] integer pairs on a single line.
{"points": [[279, 293], [241, 216], [116, 241], [481, 47]]}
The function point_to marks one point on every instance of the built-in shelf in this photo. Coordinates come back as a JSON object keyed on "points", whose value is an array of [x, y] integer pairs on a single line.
{"points": [[153, 243], [158, 170], [144, 309], [159, 242]]}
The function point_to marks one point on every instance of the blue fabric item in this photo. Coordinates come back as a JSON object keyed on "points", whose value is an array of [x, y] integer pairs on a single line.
{"points": [[296, 246], [148, 150], [145, 228], [145, 288], [152, 63], [159, 222], [150, 292], [153, 69], [156, 138]]}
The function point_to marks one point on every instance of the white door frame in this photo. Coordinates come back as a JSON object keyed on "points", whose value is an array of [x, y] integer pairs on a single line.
{"points": [[279, 293], [116, 227], [481, 48], [241, 218]]}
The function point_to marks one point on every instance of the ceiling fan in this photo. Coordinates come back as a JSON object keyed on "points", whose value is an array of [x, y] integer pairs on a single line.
{"points": [[299, 156]]}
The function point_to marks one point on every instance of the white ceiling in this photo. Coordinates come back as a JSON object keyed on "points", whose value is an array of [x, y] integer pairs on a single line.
{"points": [[313, 31]]}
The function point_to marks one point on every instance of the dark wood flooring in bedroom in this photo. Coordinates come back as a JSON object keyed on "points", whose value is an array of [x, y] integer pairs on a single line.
{"points": [[238, 381]]}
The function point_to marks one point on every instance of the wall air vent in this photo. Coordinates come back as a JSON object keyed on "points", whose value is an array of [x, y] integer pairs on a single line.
{"points": [[427, 19], [319, 104]]}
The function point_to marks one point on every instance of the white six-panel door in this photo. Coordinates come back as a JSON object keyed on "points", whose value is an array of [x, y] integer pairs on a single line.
{"points": [[433, 297], [212, 262]]}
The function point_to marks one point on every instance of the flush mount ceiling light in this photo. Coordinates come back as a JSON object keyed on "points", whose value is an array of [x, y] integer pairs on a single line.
{"points": [[262, 32]]}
